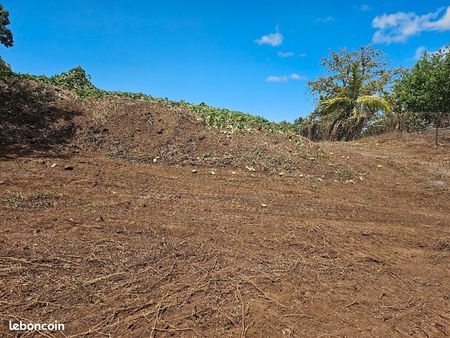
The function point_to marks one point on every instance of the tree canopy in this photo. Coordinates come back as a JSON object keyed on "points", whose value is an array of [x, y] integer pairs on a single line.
{"points": [[342, 67], [352, 92], [425, 89], [6, 37]]}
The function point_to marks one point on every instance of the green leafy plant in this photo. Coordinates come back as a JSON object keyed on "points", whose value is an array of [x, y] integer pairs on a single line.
{"points": [[78, 81], [6, 37], [424, 91], [352, 93]]}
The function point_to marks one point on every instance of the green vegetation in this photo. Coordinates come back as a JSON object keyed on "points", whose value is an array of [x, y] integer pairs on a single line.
{"points": [[13, 199], [6, 39], [37, 199], [360, 96], [349, 96], [78, 81], [234, 120], [424, 91]]}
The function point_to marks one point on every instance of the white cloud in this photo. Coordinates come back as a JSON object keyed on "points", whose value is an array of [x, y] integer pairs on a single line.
{"points": [[398, 27], [326, 19], [422, 49], [289, 54], [285, 54], [297, 77], [285, 78], [276, 78], [273, 39], [419, 52], [363, 7]]}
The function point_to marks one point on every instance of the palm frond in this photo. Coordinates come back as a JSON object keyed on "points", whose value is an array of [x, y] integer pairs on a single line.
{"points": [[334, 106], [373, 103]]}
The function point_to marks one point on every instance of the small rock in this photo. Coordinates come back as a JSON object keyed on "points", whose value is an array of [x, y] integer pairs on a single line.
{"points": [[287, 331], [301, 175], [212, 172], [233, 172], [281, 173], [156, 159], [263, 205], [68, 167], [53, 165], [319, 179], [379, 166], [250, 168], [194, 171], [361, 178]]}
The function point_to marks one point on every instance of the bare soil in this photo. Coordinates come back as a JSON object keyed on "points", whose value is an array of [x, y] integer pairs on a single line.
{"points": [[112, 233]]}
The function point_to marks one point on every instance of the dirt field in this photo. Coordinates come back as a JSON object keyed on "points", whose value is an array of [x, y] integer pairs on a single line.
{"points": [[115, 248]]}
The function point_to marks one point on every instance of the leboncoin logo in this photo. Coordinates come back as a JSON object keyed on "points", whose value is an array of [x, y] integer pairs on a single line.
{"points": [[21, 326]]}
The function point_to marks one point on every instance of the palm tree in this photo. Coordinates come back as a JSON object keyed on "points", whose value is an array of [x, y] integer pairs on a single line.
{"points": [[350, 111]]}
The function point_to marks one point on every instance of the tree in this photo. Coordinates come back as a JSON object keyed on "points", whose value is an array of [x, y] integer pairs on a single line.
{"points": [[352, 92], [6, 37], [424, 91], [309, 127]]}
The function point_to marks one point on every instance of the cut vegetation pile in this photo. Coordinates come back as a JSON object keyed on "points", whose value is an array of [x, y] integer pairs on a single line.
{"points": [[67, 109]]}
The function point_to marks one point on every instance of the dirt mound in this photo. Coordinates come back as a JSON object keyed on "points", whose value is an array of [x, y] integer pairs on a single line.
{"points": [[149, 132], [35, 117], [144, 131]]}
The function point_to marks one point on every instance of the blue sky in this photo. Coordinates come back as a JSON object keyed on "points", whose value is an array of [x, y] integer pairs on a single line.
{"points": [[252, 56]]}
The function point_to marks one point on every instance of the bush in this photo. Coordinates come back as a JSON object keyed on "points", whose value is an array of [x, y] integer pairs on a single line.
{"points": [[5, 69]]}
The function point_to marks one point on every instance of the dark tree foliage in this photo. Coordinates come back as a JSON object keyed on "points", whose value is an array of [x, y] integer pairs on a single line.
{"points": [[6, 37]]}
